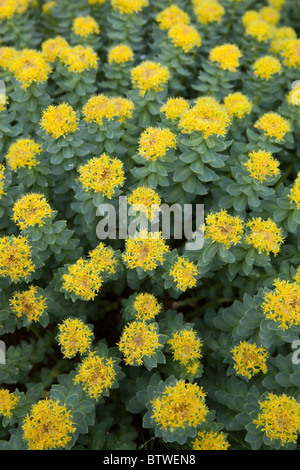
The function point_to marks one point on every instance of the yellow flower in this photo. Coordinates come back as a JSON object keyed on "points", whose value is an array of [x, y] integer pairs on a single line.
{"points": [[209, 440], [267, 66], [290, 53], [249, 16], [261, 165], [47, 7], [149, 75], [48, 426], [22, 153], [74, 337], [98, 108], [31, 209], [79, 58], [29, 66], [249, 359], [180, 405], [174, 108], [52, 47], [260, 30], [223, 228], [283, 304], [227, 56], [15, 257], [146, 200], [123, 107], [9, 8], [120, 54], [138, 340], [270, 15], [237, 105], [29, 304], [129, 6], [185, 346], [295, 192], [207, 116], [8, 401], [82, 279], [273, 125], [184, 36], [2, 179], [184, 274], [146, 307], [208, 11], [171, 16], [279, 417], [102, 175], [280, 36], [103, 259], [278, 4], [264, 235], [85, 26], [154, 143], [96, 375], [6, 55], [59, 120], [146, 250]]}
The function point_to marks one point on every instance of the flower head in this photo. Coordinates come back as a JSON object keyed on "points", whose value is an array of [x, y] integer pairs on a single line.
{"points": [[209, 440], [123, 107], [48, 426], [290, 53], [174, 108], [208, 11], [282, 305], [103, 259], [29, 66], [2, 179], [59, 120], [8, 401], [280, 36], [79, 58], [15, 258], [138, 340], [149, 75], [146, 307], [53, 47], [260, 30], [120, 54], [261, 165], [47, 6], [249, 359], [273, 125], [279, 417], [146, 200], [224, 228], [29, 304], [226, 56], [82, 279], [146, 250], [184, 274], [184, 36], [74, 337], [96, 375], [237, 105], [31, 209], [264, 235], [154, 143], [98, 108], [6, 55], [250, 16], [270, 15], [102, 174], [172, 15], [266, 67], [185, 346], [10, 8], [85, 26], [179, 405], [294, 195], [129, 7], [22, 153]]}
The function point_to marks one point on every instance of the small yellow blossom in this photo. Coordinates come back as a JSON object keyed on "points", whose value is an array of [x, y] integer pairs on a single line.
{"points": [[184, 36], [260, 30], [237, 105], [6, 55], [184, 274], [185, 346], [146, 200], [98, 108], [279, 417], [146, 250], [278, 4], [120, 54], [79, 58], [264, 235], [146, 307], [29, 67], [96, 375], [270, 15], [103, 259], [283, 304], [249, 359], [149, 75], [22, 153], [180, 405], [82, 279], [174, 108], [9, 8], [31, 209], [85, 26], [48, 426], [53, 47], [47, 6], [59, 120], [273, 125], [123, 107], [295, 192], [102, 174], [74, 337], [249, 16], [129, 7], [261, 165], [209, 440], [138, 340], [208, 11], [171, 16], [280, 36], [8, 401], [226, 56], [290, 53], [207, 116], [224, 228], [29, 304], [2, 179], [266, 67], [15, 258], [154, 143]]}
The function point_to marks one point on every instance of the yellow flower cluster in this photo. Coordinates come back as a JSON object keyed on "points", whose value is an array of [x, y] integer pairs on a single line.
{"points": [[146, 307], [138, 340], [226, 56], [29, 304], [260, 29], [6, 55], [145, 200], [273, 125], [2, 179], [129, 7], [185, 347], [174, 108], [31, 209], [8, 401], [53, 47], [145, 250], [184, 36], [154, 143], [184, 274], [74, 337], [60, 120], [264, 235], [283, 304], [149, 75], [96, 375], [249, 359], [237, 105], [85, 26], [294, 195], [180, 405], [290, 53], [280, 36], [15, 258], [223, 228], [124, 108], [208, 11], [22, 153], [120, 54], [79, 58], [209, 440], [172, 15], [261, 165], [29, 67], [10, 8], [98, 108], [266, 67]]}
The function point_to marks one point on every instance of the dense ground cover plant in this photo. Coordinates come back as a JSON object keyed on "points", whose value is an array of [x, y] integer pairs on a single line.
{"points": [[149, 341]]}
